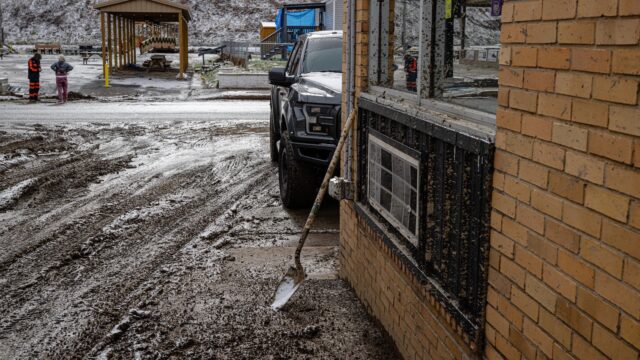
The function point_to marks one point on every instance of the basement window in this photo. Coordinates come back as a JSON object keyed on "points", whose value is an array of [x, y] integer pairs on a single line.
{"points": [[393, 184], [444, 50]]}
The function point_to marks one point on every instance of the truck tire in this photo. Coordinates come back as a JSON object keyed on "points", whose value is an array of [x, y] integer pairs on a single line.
{"points": [[297, 180], [273, 140]]}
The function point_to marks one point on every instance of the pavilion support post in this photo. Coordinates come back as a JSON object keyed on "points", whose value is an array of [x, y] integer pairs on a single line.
{"points": [[132, 39], [135, 44], [182, 45], [186, 50], [129, 56], [116, 48], [129, 41], [121, 41], [125, 58], [116, 62], [110, 40], [125, 48], [104, 50]]}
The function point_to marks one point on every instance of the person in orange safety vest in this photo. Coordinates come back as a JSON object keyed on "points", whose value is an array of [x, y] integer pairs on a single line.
{"points": [[34, 77], [411, 68]]}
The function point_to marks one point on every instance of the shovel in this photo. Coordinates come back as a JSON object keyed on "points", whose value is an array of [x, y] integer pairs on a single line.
{"points": [[295, 275]]}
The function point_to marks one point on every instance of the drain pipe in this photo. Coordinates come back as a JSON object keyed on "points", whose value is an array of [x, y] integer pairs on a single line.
{"points": [[350, 84], [342, 188]]}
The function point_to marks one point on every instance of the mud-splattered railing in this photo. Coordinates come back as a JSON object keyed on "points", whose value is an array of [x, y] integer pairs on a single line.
{"points": [[450, 240]]}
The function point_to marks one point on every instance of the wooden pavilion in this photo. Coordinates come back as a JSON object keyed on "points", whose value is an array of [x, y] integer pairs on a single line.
{"points": [[117, 23]]}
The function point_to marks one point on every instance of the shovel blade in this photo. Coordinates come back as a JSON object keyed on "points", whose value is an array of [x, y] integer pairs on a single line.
{"points": [[287, 287]]}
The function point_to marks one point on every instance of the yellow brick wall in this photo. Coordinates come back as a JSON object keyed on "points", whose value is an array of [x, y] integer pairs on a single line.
{"points": [[564, 272], [384, 284], [565, 245]]}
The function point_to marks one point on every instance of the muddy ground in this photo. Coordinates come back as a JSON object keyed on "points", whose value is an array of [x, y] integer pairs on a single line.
{"points": [[161, 239]]}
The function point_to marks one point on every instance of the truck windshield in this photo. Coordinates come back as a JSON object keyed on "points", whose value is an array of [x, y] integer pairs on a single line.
{"points": [[323, 55]]}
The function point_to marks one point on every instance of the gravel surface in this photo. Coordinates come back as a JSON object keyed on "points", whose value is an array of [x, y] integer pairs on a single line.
{"points": [[133, 235]]}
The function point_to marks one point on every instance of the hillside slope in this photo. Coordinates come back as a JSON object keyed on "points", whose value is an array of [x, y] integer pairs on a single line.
{"points": [[76, 22]]}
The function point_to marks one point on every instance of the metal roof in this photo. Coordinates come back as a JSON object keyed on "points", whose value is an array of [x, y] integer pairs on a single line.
{"points": [[145, 9]]}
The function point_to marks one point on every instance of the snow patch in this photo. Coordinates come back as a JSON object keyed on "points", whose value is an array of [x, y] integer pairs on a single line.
{"points": [[9, 196]]}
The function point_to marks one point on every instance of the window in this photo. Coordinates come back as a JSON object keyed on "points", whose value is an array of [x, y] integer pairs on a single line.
{"points": [[294, 59], [436, 49], [323, 55], [393, 184]]}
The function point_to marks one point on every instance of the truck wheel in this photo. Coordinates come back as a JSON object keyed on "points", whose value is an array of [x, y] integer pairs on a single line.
{"points": [[297, 183], [273, 140]]}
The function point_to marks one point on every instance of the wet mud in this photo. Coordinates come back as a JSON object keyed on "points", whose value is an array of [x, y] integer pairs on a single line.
{"points": [[162, 240]]}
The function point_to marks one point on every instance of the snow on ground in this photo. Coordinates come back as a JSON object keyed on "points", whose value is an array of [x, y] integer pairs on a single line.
{"points": [[11, 195], [136, 85]]}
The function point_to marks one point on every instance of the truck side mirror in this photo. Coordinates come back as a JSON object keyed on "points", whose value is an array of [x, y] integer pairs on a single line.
{"points": [[278, 77]]}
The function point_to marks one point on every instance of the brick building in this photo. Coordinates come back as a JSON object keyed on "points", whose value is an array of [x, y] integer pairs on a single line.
{"points": [[496, 221]]}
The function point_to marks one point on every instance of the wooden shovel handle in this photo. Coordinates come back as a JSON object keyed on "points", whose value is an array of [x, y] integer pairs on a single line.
{"points": [[323, 188]]}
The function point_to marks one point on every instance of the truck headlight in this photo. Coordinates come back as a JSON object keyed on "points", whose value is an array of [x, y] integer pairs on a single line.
{"points": [[312, 112], [319, 118]]}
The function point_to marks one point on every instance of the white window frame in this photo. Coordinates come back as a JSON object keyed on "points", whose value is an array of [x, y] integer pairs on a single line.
{"points": [[413, 238]]}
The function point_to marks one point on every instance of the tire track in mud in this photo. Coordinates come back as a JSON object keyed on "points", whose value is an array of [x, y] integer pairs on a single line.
{"points": [[195, 210], [52, 181]]}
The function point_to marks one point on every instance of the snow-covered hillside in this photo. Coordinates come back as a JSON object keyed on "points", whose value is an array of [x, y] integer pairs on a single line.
{"points": [[214, 21], [76, 22]]}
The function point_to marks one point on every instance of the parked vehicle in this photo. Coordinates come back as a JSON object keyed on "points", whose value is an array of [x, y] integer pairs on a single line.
{"points": [[305, 114]]}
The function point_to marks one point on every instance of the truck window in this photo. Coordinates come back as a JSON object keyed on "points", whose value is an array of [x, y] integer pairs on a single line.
{"points": [[323, 55], [294, 59]]}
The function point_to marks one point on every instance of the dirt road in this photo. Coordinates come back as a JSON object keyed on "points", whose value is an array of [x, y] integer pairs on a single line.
{"points": [[151, 236]]}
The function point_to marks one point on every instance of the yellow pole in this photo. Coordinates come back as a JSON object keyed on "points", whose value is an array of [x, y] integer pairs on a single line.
{"points": [[106, 76]]}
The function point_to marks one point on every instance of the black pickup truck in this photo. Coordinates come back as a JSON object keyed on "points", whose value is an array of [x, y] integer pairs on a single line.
{"points": [[305, 115]]}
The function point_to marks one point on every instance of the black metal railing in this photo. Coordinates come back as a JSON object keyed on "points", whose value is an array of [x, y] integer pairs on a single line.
{"points": [[455, 192], [271, 46], [294, 32]]}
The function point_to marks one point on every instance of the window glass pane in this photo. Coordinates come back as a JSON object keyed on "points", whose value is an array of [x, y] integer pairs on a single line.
{"points": [[292, 63], [458, 58], [393, 44], [323, 55], [473, 58], [406, 47]]}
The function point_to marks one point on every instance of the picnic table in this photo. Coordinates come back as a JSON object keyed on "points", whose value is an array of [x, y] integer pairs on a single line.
{"points": [[47, 49], [157, 61], [87, 55]]}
